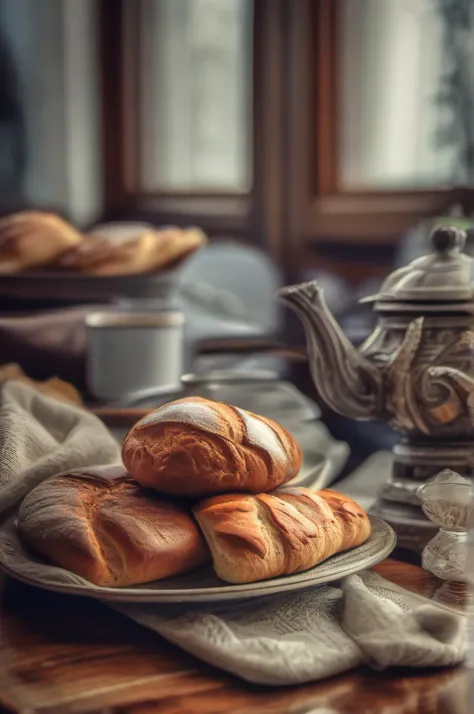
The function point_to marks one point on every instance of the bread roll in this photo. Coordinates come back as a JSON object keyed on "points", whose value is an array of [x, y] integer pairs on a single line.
{"points": [[80, 258], [197, 447], [33, 239], [177, 244], [132, 257], [149, 252], [53, 387], [101, 525], [258, 537]]}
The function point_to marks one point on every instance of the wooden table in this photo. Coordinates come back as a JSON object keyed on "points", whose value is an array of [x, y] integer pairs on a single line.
{"points": [[71, 654]]}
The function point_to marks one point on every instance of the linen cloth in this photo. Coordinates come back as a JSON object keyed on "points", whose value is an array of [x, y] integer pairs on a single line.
{"points": [[315, 633], [40, 436], [274, 640]]}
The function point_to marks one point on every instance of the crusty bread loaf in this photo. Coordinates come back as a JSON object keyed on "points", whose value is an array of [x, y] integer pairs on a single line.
{"points": [[101, 525], [177, 244], [53, 387], [135, 256], [80, 258], [32, 239], [151, 251], [44, 241], [197, 447], [265, 536]]}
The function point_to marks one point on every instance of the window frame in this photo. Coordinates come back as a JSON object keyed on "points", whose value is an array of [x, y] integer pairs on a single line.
{"points": [[252, 215], [324, 209], [296, 200]]}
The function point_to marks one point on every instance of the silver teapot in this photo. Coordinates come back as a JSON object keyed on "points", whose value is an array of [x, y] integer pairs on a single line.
{"points": [[415, 371]]}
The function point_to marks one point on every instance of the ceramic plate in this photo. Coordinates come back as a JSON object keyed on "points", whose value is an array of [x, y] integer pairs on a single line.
{"points": [[199, 586], [81, 289]]}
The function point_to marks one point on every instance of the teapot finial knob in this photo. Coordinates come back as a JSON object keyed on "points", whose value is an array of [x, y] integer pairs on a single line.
{"points": [[448, 239]]}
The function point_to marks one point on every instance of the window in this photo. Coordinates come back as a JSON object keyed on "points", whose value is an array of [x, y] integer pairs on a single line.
{"points": [[179, 92], [196, 95], [355, 183], [283, 122], [193, 114], [405, 71], [49, 128]]}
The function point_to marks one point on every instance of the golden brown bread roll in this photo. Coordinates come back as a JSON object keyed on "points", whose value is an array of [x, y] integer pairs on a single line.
{"points": [[198, 447], [53, 387], [134, 256], [177, 244], [32, 239], [101, 525], [93, 250], [258, 537], [149, 252]]}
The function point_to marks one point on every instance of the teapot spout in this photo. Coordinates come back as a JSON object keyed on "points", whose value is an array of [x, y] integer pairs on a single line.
{"points": [[344, 378]]}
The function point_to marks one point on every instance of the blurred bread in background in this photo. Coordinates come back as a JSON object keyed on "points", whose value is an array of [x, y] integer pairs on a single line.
{"points": [[80, 258], [151, 251], [31, 239], [54, 387]]}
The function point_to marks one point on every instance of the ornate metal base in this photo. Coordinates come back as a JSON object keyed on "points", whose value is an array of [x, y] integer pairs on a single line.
{"points": [[413, 464]]}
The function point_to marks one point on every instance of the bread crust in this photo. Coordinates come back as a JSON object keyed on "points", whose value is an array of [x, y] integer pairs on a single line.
{"points": [[198, 447], [41, 240], [101, 525], [149, 252], [269, 535], [32, 239]]}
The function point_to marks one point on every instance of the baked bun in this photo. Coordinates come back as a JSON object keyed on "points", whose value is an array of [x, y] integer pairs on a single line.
{"points": [[177, 244], [92, 251], [33, 239], [198, 447], [134, 256], [52, 387], [100, 524], [266, 536], [151, 251]]}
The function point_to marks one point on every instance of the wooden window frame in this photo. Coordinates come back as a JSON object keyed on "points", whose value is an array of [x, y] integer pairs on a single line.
{"points": [[254, 216], [296, 202], [321, 208]]}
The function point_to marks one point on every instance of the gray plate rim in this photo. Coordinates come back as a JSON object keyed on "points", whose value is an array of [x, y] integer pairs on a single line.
{"points": [[380, 544]]}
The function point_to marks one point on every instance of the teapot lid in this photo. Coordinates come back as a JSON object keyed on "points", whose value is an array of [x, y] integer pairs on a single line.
{"points": [[444, 275]]}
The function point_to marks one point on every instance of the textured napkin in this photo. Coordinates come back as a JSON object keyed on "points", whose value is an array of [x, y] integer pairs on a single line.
{"points": [[40, 436], [285, 639], [314, 633]]}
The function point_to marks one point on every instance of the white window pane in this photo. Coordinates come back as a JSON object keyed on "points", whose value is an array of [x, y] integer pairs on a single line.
{"points": [[196, 94], [394, 57]]}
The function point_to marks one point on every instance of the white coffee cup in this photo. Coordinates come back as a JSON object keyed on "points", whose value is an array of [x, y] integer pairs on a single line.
{"points": [[130, 351]]}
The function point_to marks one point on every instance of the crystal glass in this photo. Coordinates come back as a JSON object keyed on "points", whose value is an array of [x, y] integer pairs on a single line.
{"points": [[447, 502]]}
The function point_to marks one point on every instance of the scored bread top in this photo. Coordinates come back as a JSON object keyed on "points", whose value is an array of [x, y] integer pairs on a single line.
{"points": [[199, 447], [202, 413], [255, 537]]}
